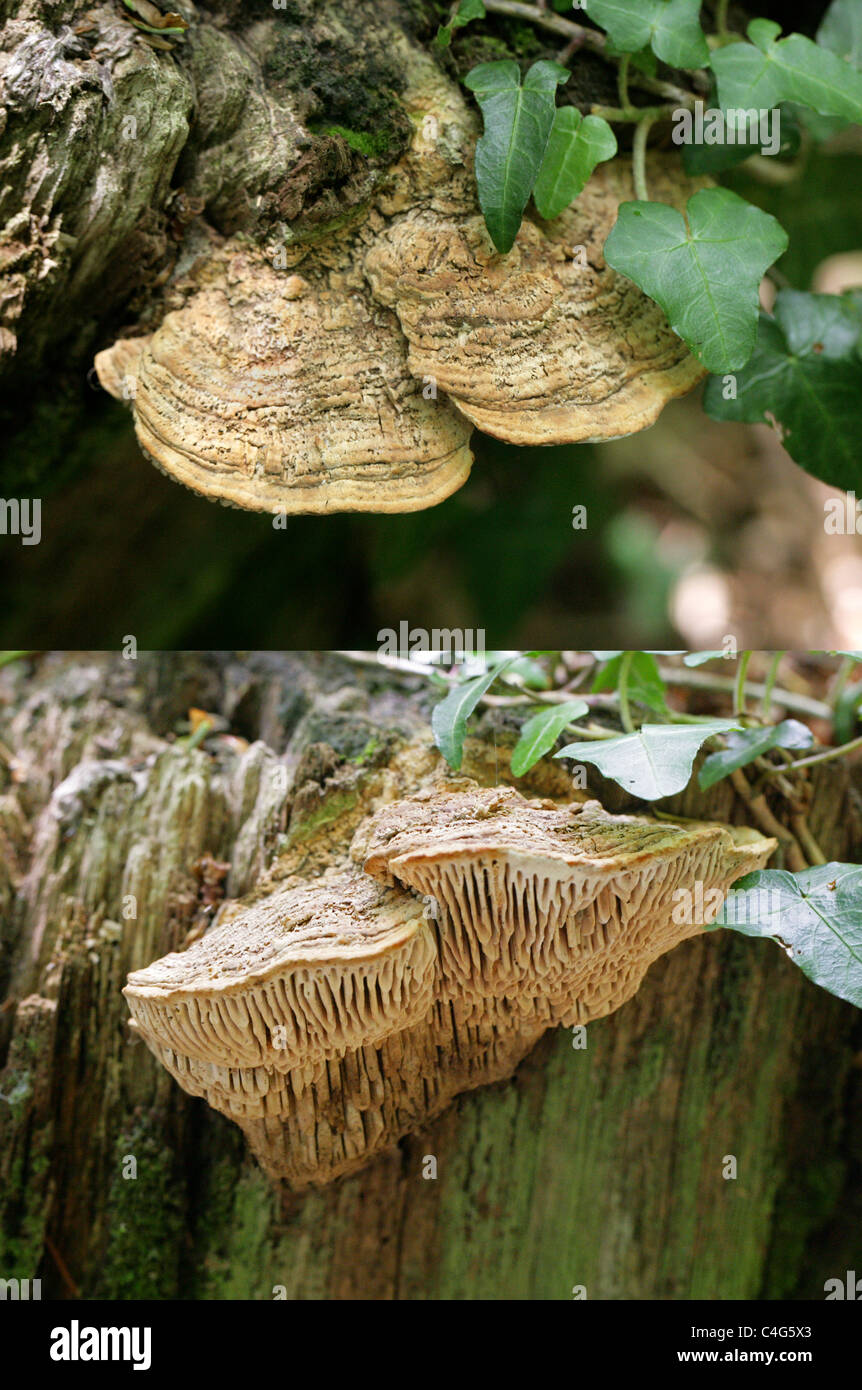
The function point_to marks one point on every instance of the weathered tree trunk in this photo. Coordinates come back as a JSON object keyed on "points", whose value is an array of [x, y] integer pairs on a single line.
{"points": [[599, 1168]]}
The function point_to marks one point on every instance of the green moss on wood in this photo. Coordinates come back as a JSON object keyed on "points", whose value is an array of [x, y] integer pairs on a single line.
{"points": [[145, 1219]]}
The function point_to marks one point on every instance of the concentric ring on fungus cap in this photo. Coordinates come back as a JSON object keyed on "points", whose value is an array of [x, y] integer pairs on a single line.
{"points": [[295, 979], [547, 344], [289, 393], [568, 904]]}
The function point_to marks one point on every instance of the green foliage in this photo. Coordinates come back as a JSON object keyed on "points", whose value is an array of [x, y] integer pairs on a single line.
{"points": [[636, 675], [704, 269], [748, 744], [655, 761], [540, 733], [518, 120], [704, 158], [769, 70], [576, 145], [704, 266], [449, 718], [670, 27], [841, 30], [806, 374], [815, 916], [701, 658], [467, 10]]}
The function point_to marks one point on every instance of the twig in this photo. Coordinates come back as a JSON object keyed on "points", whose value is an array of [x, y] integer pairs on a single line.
{"points": [[806, 839], [826, 757], [61, 1266], [770, 682], [633, 113], [759, 809], [721, 21], [623, 80], [703, 680]]}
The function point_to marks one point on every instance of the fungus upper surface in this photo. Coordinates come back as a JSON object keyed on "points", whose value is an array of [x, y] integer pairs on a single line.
{"points": [[330, 1019], [290, 393], [329, 966], [545, 345]]}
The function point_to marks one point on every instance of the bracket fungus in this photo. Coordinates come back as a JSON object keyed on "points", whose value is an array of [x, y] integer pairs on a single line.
{"points": [[343, 368], [548, 344], [288, 394], [330, 1019]]}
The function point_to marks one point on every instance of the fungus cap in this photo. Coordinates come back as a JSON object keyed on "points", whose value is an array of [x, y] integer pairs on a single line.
{"points": [[547, 344], [535, 896], [292, 980], [288, 393]]}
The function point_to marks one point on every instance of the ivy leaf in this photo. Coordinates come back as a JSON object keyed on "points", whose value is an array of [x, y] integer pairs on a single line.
{"points": [[701, 658], [704, 269], [671, 27], [532, 674], [449, 718], [815, 916], [770, 70], [540, 733], [643, 679], [467, 10], [750, 744], [841, 30], [654, 762], [806, 377], [576, 145], [518, 121]]}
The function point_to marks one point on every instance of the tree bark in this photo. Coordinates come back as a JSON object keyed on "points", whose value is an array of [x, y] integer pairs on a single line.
{"points": [[599, 1168]]}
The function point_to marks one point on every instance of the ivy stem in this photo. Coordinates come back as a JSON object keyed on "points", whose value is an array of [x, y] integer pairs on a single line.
{"points": [[623, 80], [633, 113], [705, 680], [639, 145], [739, 692], [623, 692], [770, 683], [721, 21], [817, 758]]}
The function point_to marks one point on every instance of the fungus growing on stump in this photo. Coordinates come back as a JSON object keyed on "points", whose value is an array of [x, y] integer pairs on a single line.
{"points": [[331, 1019], [343, 368]]}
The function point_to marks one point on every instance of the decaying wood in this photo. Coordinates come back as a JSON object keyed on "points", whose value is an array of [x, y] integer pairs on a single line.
{"points": [[599, 1167]]}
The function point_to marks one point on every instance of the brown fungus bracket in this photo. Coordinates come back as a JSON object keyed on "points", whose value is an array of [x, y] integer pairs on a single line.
{"points": [[351, 378], [288, 393], [548, 344], [331, 1019]]}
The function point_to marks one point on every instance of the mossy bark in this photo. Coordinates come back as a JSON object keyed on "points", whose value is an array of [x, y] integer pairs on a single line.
{"points": [[599, 1168]]}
